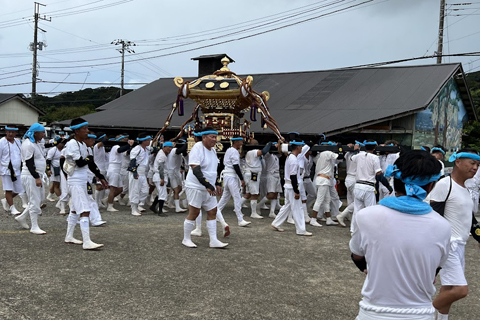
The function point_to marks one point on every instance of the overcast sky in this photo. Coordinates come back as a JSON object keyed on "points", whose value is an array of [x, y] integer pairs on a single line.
{"points": [[81, 31]]}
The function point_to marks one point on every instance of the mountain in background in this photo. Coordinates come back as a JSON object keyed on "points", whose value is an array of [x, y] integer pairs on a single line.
{"points": [[74, 104]]}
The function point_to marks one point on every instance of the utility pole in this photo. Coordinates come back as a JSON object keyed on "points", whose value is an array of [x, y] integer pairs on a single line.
{"points": [[440, 32], [125, 47], [36, 46]]}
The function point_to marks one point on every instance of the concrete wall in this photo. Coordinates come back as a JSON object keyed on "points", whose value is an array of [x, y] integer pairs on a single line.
{"points": [[17, 112]]}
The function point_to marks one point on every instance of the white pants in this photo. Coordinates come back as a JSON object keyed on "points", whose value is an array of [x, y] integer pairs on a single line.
{"points": [[323, 198], [372, 315], [363, 198], [453, 271], [162, 190], [335, 202], [252, 187], [9, 185], [295, 206], [64, 196], [35, 194], [138, 188], [310, 189], [231, 188], [125, 180], [94, 216]]}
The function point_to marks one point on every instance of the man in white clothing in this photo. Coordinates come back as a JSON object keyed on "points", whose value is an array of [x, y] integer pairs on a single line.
{"points": [[292, 193], [53, 165], [173, 166], [201, 194], [113, 172], [33, 176], [274, 185], [402, 251], [77, 164], [138, 185], [253, 171], [458, 211], [160, 178], [101, 160], [233, 180], [10, 169]]}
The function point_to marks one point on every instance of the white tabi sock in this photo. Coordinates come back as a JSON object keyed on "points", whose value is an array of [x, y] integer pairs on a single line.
{"points": [[244, 200], [212, 230], [198, 221], [441, 316], [220, 218], [253, 205], [273, 205], [262, 202], [188, 226], [34, 220], [177, 204], [85, 227]]}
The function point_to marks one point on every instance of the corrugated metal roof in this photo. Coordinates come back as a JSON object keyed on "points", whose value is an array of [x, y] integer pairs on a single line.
{"points": [[311, 102]]}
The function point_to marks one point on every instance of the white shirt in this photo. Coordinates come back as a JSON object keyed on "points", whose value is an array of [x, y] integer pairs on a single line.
{"points": [[388, 159], [272, 164], [161, 157], [208, 162], [141, 155], [252, 161], [325, 165], [174, 161], [54, 155], [368, 165], [10, 152], [231, 158], [351, 166], [458, 209], [37, 151], [75, 150], [100, 157], [403, 252], [291, 168]]}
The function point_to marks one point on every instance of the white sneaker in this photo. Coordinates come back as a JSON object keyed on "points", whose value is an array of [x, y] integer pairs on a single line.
{"points": [[189, 243], [308, 219], [291, 221], [178, 210], [92, 246], [99, 223], [306, 234], [5, 204], [244, 223], [141, 209], [244, 205], [121, 201], [256, 216], [277, 229], [272, 215], [196, 232], [264, 207], [136, 213], [50, 198], [330, 222], [171, 205], [164, 210], [218, 244], [313, 222], [73, 241]]}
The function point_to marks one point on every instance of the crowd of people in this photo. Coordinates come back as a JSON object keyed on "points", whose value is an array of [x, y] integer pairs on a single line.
{"points": [[401, 243]]}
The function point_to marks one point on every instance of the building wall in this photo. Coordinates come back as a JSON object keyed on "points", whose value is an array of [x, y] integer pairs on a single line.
{"points": [[17, 112], [442, 121]]}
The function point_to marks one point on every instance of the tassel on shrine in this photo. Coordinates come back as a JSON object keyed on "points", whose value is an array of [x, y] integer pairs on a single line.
{"points": [[253, 112]]}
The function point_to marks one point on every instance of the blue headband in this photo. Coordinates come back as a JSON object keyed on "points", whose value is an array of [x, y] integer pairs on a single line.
{"points": [[423, 148], [297, 143], [92, 136], [168, 144], [412, 184], [36, 127], [102, 136], [460, 155], [122, 137], [143, 139], [371, 143], [196, 134], [236, 139], [78, 126], [208, 132], [329, 143], [11, 129], [438, 149], [359, 143]]}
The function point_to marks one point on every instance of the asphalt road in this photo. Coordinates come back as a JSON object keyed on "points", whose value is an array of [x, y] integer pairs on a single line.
{"points": [[144, 272]]}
